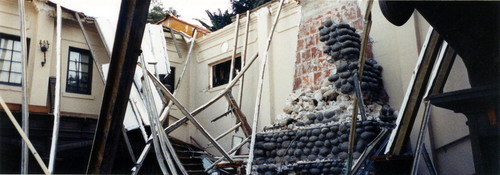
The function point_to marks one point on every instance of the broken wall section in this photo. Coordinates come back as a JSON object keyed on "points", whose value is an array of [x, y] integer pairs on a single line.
{"points": [[311, 65]]}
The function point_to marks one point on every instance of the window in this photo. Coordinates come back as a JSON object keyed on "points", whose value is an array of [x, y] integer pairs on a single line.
{"points": [[10, 60], [79, 77], [220, 71], [169, 81]]}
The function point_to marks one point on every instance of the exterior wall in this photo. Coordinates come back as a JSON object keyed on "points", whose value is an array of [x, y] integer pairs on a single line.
{"points": [[397, 50], [40, 22], [278, 78]]}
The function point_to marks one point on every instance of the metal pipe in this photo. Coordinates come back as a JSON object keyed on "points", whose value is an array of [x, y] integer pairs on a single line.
{"points": [[24, 136], [25, 102], [244, 57], [259, 90], [57, 102], [228, 131], [92, 51]]}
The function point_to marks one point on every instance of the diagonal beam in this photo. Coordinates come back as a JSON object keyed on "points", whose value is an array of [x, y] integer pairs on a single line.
{"points": [[239, 115], [126, 50], [190, 117]]}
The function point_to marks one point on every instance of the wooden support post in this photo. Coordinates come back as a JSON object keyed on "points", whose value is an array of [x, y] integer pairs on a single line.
{"points": [[24, 87], [415, 93], [24, 137], [92, 50], [155, 127], [243, 58], [259, 89], [236, 32], [222, 115], [361, 64], [239, 115], [126, 50]]}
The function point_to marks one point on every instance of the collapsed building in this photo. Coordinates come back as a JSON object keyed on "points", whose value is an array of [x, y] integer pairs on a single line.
{"points": [[306, 92]]}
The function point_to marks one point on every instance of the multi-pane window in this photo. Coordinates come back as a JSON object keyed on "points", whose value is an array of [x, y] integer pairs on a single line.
{"points": [[79, 77], [10, 60]]}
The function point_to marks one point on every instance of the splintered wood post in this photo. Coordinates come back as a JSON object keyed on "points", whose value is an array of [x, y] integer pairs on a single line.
{"points": [[352, 133], [188, 57], [25, 103], [239, 115], [191, 118], [259, 90], [24, 137], [243, 58]]}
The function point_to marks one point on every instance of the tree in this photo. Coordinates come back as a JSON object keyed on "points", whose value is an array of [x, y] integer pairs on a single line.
{"points": [[241, 6], [218, 20], [223, 19], [157, 13]]}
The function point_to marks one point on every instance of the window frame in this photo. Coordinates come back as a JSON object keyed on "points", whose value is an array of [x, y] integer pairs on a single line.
{"points": [[15, 38], [90, 66], [222, 61]]}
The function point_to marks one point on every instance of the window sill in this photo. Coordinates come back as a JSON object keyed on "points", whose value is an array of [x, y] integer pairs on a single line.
{"points": [[14, 88], [221, 87], [80, 96]]}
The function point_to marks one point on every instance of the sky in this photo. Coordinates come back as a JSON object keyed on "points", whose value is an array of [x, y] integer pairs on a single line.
{"points": [[188, 9]]}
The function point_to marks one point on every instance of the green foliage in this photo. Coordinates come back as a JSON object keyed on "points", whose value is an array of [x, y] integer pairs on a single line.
{"points": [[223, 19], [157, 13], [218, 20], [240, 6]]}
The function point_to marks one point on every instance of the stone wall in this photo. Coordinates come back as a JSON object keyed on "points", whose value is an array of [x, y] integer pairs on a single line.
{"points": [[311, 65]]}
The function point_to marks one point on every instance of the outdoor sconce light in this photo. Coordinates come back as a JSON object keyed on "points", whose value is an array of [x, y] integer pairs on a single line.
{"points": [[44, 46]]}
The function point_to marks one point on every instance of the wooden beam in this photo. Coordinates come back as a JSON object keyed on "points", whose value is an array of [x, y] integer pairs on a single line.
{"points": [[126, 50], [239, 115], [415, 93]]}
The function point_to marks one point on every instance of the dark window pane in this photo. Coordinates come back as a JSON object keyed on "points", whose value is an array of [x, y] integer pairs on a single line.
{"points": [[79, 71]]}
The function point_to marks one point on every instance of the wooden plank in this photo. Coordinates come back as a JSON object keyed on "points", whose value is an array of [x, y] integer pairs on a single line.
{"points": [[126, 50], [24, 137], [239, 115], [414, 93], [259, 90]]}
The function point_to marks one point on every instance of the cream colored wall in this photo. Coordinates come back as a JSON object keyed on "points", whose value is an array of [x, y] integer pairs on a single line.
{"points": [[397, 49], [278, 80], [41, 26]]}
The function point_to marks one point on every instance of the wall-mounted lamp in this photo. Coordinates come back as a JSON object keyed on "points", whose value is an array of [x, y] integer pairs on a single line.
{"points": [[44, 46]]}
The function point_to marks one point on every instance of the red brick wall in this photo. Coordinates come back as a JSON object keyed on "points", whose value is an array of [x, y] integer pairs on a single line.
{"points": [[311, 65]]}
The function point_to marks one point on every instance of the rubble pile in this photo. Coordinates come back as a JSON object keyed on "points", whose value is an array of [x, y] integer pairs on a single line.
{"points": [[311, 136]]}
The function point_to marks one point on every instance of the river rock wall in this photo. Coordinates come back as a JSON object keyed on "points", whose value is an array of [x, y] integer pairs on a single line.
{"points": [[311, 136]]}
